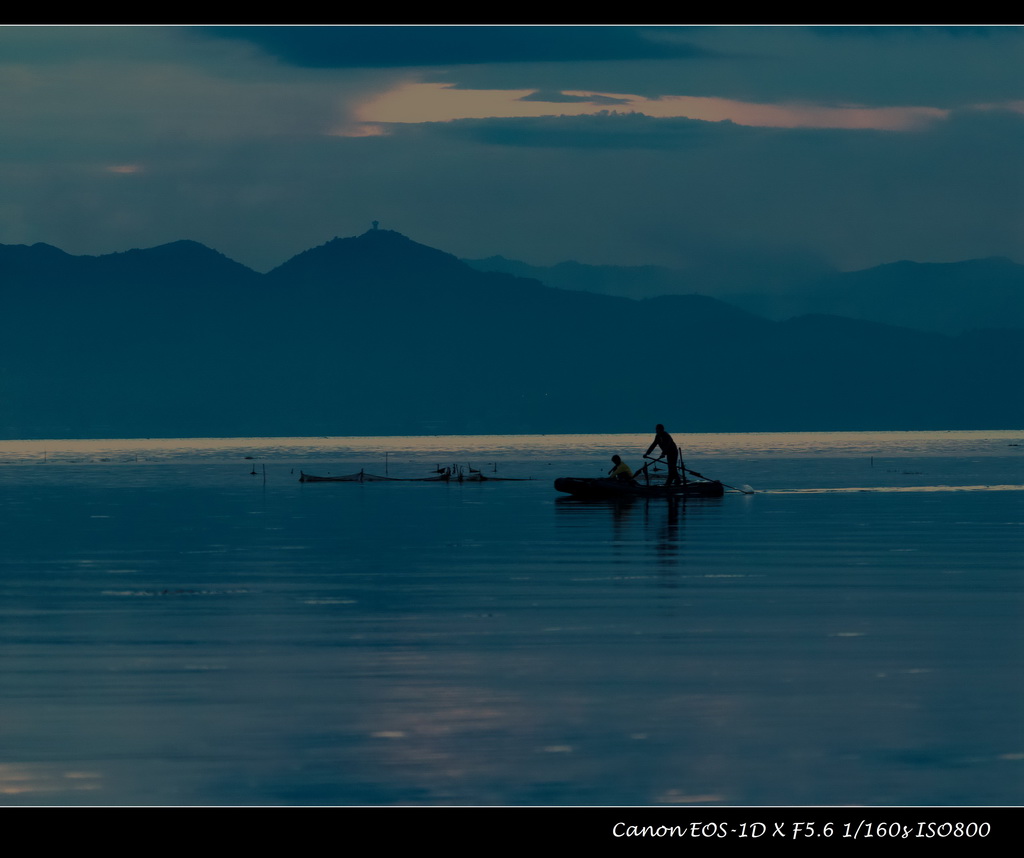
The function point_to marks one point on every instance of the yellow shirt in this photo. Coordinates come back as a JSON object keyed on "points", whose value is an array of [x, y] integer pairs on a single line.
{"points": [[622, 469]]}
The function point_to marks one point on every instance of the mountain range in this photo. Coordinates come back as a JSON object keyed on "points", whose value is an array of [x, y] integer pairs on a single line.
{"points": [[377, 334], [948, 298]]}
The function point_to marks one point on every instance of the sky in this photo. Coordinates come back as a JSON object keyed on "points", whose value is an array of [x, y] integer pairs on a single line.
{"points": [[845, 147]]}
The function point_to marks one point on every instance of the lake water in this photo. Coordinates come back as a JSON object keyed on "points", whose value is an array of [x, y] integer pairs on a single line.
{"points": [[182, 624]]}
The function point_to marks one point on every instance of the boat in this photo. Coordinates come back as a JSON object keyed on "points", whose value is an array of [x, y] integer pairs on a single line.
{"points": [[604, 489]]}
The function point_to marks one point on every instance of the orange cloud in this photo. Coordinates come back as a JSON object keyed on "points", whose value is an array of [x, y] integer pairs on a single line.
{"points": [[434, 102]]}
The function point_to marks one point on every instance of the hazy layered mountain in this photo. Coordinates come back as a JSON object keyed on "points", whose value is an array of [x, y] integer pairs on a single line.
{"points": [[944, 297], [947, 297], [720, 276], [377, 334], [638, 281]]}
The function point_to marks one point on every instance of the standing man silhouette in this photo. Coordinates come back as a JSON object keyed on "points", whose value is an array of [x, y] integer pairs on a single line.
{"points": [[663, 441]]}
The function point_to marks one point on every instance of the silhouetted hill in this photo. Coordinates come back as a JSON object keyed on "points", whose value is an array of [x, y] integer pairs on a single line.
{"points": [[176, 259], [40, 277], [379, 254], [21, 264], [377, 334], [183, 264]]}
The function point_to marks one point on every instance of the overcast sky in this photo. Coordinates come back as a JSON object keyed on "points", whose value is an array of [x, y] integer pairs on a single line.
{"points": [[853, 146]]}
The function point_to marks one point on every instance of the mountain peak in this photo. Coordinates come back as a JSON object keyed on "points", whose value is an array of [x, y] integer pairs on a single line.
{"points": [[382, 253], [384, 234], [184, 247], [181, 259]]}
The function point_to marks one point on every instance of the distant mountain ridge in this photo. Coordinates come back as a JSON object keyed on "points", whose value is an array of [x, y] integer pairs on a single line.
{"points": [[950, 298], [182, 253], [378, 334], [638, 282]]}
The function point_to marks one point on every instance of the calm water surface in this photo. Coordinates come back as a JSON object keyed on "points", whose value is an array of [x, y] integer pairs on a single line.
{"points": [[185, 625]]}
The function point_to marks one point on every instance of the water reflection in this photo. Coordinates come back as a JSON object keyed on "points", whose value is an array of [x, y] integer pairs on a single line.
{"points": [[651, 528]]}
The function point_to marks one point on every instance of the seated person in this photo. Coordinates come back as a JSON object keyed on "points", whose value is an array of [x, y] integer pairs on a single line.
{"points": [[620, 471]]}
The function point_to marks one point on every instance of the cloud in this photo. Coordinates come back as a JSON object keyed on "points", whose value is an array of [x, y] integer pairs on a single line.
{"points": [[556, 97], [945, 67], [942, 68], [415, 101], [415, 46]]}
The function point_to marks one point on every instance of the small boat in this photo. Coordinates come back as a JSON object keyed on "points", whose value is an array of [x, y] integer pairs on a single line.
{"points": [[597, 489]]}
